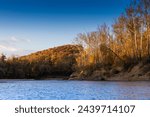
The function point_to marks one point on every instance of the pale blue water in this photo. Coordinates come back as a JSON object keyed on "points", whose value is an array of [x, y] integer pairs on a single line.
{"points": [[73, 90]]}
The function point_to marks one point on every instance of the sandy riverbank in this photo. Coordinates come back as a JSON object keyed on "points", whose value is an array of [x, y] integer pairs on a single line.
{"points": [[139, 72]]}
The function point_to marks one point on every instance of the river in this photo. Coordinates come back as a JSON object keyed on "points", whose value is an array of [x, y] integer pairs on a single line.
{"points": [[73, 90]]}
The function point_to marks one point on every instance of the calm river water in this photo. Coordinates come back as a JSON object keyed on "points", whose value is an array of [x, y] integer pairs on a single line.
{"points": [[73, 90]]}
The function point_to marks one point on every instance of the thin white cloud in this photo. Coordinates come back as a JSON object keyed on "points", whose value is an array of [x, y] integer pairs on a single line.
{"points": [[7, 48], [22, 53], [14, 39], [19, 40], [13, 46], [28, 40], [12, 51]]}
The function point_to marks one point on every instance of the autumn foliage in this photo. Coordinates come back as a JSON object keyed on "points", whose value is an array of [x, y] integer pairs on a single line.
{"points": [[58, 61], [124, 44]]}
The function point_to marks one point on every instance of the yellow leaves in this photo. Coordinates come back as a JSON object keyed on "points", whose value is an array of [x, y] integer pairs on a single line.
{"points": [[91, 59]]}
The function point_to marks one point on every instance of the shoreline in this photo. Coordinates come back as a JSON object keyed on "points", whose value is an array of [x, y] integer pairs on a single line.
{"points": [[58, 79], [138, 72]]}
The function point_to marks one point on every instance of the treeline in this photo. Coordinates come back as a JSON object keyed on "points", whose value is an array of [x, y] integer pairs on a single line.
{"points": [[124, 44], [58, 61]]}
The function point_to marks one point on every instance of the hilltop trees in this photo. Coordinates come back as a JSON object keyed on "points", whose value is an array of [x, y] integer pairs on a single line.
{"points": [[56, 61]]}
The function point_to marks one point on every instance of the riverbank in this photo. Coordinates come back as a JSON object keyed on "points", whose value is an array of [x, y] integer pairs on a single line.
{"points": [[138, 72], [42, 78]]}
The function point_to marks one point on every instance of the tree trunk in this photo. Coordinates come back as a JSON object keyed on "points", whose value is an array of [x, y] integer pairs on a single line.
{"points": [[141, 44], [135, 41], [148, 45]]}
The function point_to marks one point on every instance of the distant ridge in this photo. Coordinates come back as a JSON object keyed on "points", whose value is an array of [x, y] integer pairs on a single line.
{"points": [[63, 50]]}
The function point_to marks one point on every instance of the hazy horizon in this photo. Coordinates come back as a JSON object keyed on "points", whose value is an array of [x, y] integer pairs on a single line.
{"points": [[27, 26]]}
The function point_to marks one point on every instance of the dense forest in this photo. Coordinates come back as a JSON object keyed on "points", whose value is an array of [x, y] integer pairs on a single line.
{"points": [[124, 45], [110, 50]]}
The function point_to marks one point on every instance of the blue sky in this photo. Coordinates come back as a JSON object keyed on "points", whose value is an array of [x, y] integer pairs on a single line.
{"points": [[32, 25]]}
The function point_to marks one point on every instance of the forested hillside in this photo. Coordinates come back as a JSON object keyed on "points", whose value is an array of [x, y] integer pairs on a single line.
{"points": [[58, 61]]}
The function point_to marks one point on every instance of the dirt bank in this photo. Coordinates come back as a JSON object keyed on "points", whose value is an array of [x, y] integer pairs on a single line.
{"points": [[138, 72]]}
